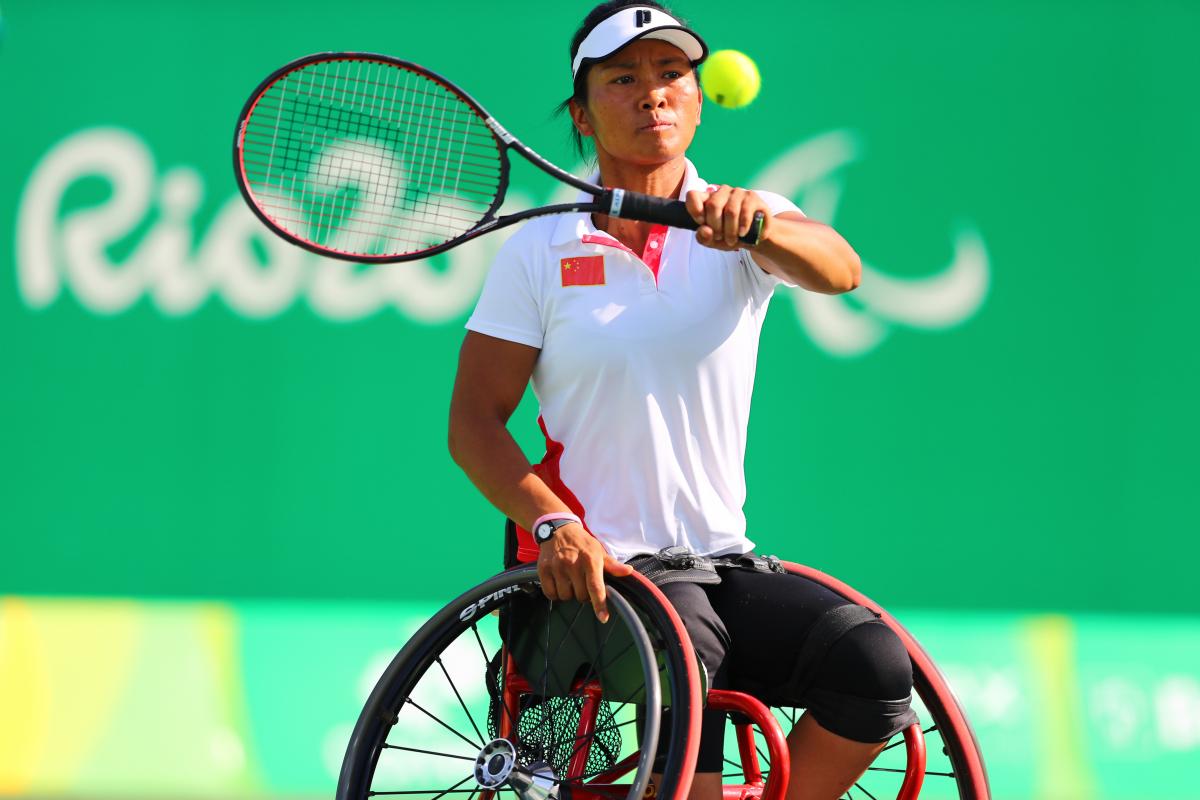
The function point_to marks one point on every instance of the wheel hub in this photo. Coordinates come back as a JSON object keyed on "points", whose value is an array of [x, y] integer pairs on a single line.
{"points": [[497, 765]]}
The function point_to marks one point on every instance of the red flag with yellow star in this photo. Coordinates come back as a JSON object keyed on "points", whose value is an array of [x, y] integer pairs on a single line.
{"points": [[582, 271]]}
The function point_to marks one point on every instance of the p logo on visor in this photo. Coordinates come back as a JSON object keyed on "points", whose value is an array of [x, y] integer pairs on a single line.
{"points": [[630, 24]]}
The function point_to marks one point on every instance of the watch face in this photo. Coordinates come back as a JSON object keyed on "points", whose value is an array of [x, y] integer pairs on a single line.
{"points": [[544, 532]]}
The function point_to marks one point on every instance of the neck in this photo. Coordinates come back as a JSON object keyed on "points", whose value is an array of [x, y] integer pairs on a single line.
{"points": [[659, 180]]}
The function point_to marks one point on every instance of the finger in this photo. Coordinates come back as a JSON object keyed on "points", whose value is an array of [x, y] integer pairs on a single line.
{"points": [[549, 587], [714, 208], [746, 217], [694, 200], [564, 582], [731, 217], [706, 237], [614, 567], [597, 594], [579, 577]]}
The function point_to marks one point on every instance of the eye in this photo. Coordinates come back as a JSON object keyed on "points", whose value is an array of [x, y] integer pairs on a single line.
{"points": [[624, 79], [673, 74]]}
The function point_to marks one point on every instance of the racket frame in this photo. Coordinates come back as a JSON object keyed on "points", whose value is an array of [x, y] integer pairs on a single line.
{"points": [[608, 201]]}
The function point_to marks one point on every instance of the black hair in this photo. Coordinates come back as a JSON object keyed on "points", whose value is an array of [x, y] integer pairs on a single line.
{"points": [[594, 18]]}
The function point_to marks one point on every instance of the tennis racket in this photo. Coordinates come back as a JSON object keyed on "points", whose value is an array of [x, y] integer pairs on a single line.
{"points": [[369, 158]]}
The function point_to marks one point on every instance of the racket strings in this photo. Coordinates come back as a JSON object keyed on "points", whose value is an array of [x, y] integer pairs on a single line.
{"points": [[486, 182], [348, 161], [369, 158]]}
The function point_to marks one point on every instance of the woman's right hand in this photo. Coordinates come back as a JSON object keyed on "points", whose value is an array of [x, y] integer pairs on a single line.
{"points": [[571, 566]]}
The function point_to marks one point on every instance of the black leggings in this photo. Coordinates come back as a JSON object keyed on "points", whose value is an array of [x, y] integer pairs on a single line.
{"points": [[748, 631]]}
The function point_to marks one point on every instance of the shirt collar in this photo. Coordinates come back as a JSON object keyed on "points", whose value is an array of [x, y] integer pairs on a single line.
{"points": [[571, 228]]}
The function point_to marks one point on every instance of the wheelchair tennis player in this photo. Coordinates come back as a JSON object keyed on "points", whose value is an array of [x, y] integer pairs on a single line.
{"points": [[640, 342]]}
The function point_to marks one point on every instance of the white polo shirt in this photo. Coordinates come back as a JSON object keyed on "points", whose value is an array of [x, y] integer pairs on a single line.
{"points": [[644, 377]]}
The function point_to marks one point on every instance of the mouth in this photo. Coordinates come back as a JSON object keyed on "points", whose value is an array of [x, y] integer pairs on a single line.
{"points": [[657, 126]]}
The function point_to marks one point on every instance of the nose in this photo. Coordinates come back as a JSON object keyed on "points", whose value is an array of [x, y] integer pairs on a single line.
{"points": [[656, 98]]}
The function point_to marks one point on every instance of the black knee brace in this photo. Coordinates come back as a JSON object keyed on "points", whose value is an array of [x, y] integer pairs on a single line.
{"points": [[862, 688]]}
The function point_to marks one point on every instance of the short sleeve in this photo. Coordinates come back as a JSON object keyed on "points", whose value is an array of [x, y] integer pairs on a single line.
{"points": [[509, 307], [778, 204]]}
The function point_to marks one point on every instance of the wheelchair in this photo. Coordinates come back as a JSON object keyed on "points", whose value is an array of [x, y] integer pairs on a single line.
{"points": [[503, 692]]}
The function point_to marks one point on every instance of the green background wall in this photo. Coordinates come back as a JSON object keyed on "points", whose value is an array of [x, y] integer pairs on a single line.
{"points": [[1003, 415]]}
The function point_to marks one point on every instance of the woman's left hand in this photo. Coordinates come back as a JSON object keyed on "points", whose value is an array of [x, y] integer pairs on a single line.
{"points": [[724, 214]]}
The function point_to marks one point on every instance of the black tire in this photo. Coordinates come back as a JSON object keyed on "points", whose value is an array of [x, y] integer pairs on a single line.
{"points": [[453, 660]]}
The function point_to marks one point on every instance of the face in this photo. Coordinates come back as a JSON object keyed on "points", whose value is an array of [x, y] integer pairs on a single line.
{"points": [[643, 103]]}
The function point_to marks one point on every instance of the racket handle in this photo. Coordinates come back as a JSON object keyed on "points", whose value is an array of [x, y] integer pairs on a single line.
{"points": [[648, 208]]}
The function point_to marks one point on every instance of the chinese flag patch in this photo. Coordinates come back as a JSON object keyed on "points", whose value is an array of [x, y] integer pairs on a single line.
{"points": [[582, 271]]}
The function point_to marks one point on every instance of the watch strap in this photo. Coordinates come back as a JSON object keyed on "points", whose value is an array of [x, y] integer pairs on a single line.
{"points": [[555, 515]]}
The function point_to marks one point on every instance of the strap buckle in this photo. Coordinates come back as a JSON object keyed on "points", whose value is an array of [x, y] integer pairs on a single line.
{"points": [[762, 563], [678, 557]]}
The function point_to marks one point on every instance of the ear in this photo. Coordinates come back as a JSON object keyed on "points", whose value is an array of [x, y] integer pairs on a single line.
{"points": [[699, 99], [579, 117]]}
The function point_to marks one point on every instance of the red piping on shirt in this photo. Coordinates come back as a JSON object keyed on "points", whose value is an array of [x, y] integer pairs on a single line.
{"points": [[651, 255], [548, 471]]}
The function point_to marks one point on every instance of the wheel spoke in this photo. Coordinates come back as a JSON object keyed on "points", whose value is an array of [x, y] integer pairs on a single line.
{"points": [[416, 705], [503, 673], [901, 740], [443, 793], [864, 791], [469, 777], [454, 688], [452, 790], [482, 649], [387, 746], [927, 772]]}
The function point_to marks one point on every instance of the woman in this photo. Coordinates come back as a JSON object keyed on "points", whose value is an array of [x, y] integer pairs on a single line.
{"points": [[641, 343]]}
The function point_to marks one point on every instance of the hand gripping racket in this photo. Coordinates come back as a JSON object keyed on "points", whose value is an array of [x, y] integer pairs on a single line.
{"points": [[369, 158]]}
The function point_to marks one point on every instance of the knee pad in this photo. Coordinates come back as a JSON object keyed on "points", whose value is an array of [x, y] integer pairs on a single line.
{"points": [[869, 661], [862, 690]]}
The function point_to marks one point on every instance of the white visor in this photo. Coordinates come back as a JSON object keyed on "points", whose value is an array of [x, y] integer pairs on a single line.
{"points": [[636, 22]]}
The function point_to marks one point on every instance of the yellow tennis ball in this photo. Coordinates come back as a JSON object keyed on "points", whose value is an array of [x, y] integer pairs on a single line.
{"points": [[730, 78]]}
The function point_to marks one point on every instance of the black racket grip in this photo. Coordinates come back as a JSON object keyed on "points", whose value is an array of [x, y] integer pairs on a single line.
{"points": [[648, 208]]}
